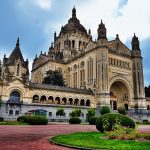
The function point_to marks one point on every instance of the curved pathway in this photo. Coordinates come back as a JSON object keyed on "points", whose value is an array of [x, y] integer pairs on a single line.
{"points": [[36, 137]]}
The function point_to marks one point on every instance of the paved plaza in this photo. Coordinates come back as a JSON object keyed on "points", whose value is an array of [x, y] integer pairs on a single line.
{"points": [[36, 137]]}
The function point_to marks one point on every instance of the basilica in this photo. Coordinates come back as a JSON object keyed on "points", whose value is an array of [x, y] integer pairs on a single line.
{"points": [[96, 73]]}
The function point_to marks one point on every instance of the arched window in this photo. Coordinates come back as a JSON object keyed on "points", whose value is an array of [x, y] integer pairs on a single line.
{"points": [[73, 44], [76, 102], [70, 101], [126, 106], [82, 102], [64, 100], [88, 103], [18, 68], [43, 99], [50, 100], [35, 99], [57, 100], [15, 96]]}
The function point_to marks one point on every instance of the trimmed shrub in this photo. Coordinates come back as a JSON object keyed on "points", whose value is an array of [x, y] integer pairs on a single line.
{"points": [[23, 119], [74, 120], [121, 110], [105, 110], [33, 120], [1, 119], [145, 121], [92, 120], [91, 113], [38, 120], [107, 121], [76, 113]]}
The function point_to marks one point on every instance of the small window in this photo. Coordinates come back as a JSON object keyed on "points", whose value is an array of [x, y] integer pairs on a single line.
{"points": [[18, 67], [82, 115], [50, 114], [10, 112], [16, 112]]}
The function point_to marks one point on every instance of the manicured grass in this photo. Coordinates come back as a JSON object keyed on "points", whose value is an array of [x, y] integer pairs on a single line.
{"points": [[95, 140], [12, 123]]}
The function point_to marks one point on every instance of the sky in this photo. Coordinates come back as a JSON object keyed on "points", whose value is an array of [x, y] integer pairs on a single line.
{"points": [[35, 21]]}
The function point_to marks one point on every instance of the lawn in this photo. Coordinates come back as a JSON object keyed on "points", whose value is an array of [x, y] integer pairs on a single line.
{"points": [[95, 140], [12, 123]]}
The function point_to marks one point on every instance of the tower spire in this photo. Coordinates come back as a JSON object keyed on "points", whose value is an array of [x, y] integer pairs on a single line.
{"points": [[74, 12], [17, 44]]}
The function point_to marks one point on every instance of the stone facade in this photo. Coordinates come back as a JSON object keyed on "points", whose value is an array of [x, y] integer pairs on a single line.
{"points": [[96, 73]]}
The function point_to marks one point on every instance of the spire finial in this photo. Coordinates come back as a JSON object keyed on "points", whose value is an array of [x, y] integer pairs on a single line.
{"points": [[101, 21], [134, 34], [89, 31], [17, 44], [74, 12], [117, 36]]}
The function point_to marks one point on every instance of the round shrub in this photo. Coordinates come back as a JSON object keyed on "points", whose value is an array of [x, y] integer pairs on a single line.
{"points": [[37, 120], [106, 122], [122, 110], [23, 119], [105, 110], [74, 120], [1, 119], [92, 120]]}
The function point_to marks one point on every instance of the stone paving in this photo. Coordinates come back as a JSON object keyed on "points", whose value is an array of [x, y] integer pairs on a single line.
{"points": [[36, 137]]}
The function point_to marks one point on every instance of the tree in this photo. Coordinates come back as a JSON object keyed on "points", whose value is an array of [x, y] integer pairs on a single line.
{"points": [[60, 112], [105, 110], [75, 113], [147, 91], [54, 77], [91, 113]]}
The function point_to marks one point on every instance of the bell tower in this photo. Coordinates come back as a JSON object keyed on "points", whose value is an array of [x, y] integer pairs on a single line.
{"points": [[102, 33], [138, 81]]}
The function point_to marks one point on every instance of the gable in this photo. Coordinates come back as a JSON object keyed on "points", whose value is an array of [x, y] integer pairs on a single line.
{"points": [[41, 60], [118, 47]]}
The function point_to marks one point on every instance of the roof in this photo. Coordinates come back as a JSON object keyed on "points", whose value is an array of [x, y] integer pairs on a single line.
{"points": [[15, 55], [60, 88], [73, 24]]}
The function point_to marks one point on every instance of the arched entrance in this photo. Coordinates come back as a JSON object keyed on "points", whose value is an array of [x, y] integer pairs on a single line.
{"points": [[119, 95]]}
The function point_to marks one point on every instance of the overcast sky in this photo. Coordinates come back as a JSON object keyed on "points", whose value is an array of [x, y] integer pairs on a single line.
{"points": [[35, 21]]}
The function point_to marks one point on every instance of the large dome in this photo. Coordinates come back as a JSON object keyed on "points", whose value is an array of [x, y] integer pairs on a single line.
{"points": [[73, 24]]}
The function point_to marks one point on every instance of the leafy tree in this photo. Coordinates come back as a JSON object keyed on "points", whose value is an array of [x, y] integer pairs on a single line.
{"points": [[60, 112], [91, 113], [147, 91], [54, 77], [75, 113]]}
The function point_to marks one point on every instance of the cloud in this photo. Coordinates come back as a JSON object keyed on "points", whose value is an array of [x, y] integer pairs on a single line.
{"points": [[43, 4], [134, 18], [121, 5]]}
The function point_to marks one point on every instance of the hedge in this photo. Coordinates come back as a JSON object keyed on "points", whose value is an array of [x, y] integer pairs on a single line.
{"points": [[1, 119], [106, 122], [33, 120]]}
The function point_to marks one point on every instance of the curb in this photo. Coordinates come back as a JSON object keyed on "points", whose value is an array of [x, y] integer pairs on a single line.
{"points": [[69, 146]]}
